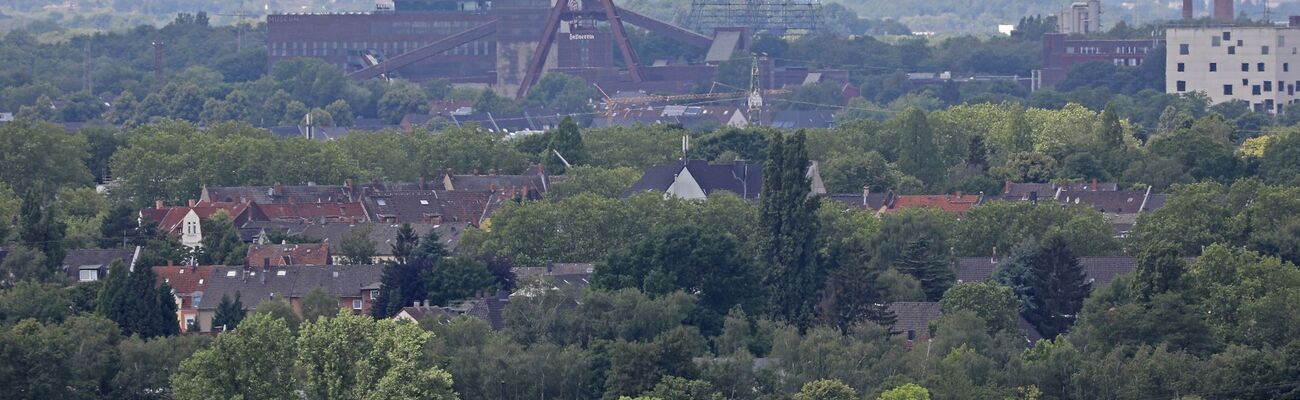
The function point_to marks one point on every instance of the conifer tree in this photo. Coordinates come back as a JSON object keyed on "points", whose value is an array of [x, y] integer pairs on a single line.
{"points": [[137, 303], [41, 230], [917, 147], [229, 313], [789, 231], [405, 244], [1057, 288], [1112, 133]]}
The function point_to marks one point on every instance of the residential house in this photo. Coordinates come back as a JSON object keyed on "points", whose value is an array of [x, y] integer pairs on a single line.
{"points": [[915, 319], [421, 310], [697, 179], [803, 119], [488, 307], [531, 185], [1022, 191], [1121, 208], [954, 203], [276, 194], [1100, 271], [432, 206], [355, 286], [383, 235], [354, 212], [571, 278], [188, 284], [89, 265], [283, 255], [186, 221]]}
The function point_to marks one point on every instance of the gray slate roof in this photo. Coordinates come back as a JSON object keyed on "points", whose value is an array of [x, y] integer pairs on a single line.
{"points": [[382, 234], [1100, 271], [257, 285], [742, 178]]}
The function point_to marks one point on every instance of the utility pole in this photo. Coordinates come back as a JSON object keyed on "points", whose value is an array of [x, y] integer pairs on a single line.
{"points": [[755, 91], [87, 80], [157, 60]]}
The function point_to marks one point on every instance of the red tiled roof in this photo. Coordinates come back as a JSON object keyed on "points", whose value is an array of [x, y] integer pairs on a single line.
{"points": [[329, 212], [169, 218], [289, 254], [951, 203], [185, 281]]}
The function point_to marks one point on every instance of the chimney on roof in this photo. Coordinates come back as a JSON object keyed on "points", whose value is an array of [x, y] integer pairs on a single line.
{"points": [[347, 183], [193, 202], [474, 172], [866, 191], [1033, 197], [421, 183], [279, 189], [550, 266], [994, 259], [266, 262], [1187, 10], [1223, 11], [415, 304], [158, 204], [1094, 184], [169, 263]]}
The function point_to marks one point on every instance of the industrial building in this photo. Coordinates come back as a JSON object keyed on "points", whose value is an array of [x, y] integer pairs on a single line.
{"points": [[1255, 64], [506, 45], [1061, 52]]}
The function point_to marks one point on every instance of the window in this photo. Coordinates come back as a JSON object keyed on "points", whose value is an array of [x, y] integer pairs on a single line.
{"points": [[1245, 82], [1255, 90], [1263, 50], [381, 202], [1184, 49], [1181, 67], [374, 294], [1260, 67], [230, 274], [1182, 86], [1232, 49], [1227, 90], [424, 202], [1214, 67], [1239, 43], [1268, 86], [1245, 67], [1216, 41], [356, 304], [88, 275], [1281, 41], [1227, 36]]}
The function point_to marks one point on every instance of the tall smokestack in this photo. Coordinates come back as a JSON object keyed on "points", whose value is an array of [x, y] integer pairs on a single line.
{"points": [[1187, 10], [1223, 11]]}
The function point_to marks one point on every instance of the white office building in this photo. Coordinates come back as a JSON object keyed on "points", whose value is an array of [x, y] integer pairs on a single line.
{"points": [[1253, 64]]}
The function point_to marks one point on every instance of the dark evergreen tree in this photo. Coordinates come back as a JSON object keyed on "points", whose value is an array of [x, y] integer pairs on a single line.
{"points": [[110, 303], [229, 313], [1057, 287], [430, 248], [401, 285], [934, 273], [118, 228], [789, 231], [405, 244], [41, 230], [456, 279], [977, 154], [1159, 270], [853, 295], [137, 303]]}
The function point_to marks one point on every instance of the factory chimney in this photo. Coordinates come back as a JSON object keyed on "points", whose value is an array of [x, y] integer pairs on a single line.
{"points": [[1187, 10], [1223, 11]]}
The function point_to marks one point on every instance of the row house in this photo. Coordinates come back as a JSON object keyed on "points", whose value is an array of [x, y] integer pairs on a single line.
{"points": [[355, 286]]}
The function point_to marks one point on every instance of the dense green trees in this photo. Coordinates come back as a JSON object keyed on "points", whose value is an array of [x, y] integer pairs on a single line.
{"points": [[137, 303], [789, 231]]}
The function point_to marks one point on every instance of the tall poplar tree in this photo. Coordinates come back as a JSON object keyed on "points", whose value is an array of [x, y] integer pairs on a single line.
{"points": [[789, 231], [41, 230], [917, 150], [1112, 133]]}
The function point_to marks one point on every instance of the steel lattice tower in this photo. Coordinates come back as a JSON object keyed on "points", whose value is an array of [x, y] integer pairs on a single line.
{"points": [[782, 17]]}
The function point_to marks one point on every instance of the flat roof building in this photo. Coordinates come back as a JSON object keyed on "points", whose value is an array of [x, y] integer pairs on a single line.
{"points": [[1249, 63]]}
